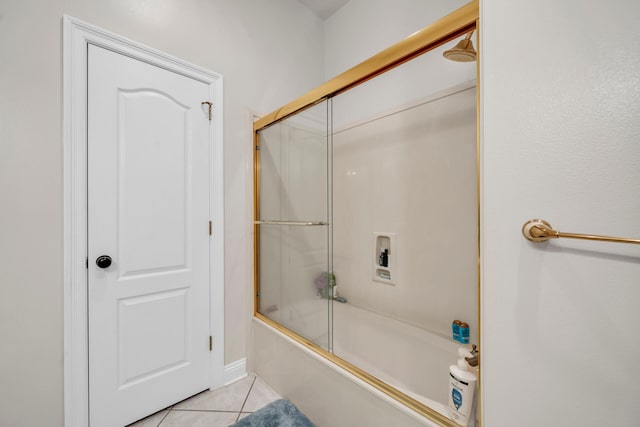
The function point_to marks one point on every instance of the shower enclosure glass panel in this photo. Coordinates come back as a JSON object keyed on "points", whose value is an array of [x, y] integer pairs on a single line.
{"points": [[367, 224], [405, 236], [293, 226]]}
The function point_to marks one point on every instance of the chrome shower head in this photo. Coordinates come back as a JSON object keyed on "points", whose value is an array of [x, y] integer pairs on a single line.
{"points": [[463, 51]]}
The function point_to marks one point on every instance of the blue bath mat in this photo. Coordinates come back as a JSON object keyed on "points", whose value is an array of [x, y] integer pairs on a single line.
{"points": [[281, 413]]}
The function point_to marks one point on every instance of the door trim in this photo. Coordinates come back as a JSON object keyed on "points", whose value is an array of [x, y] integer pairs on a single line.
{"points": [[76, 37]]}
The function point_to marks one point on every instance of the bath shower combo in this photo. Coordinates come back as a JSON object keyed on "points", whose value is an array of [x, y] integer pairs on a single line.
{"points": [[364, 201]]}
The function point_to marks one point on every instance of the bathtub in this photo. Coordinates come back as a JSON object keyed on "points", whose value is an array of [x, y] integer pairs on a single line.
{"points": [[410, 359]]}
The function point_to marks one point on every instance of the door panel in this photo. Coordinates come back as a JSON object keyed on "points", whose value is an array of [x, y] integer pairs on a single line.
{"points": [[152, 177], [148, 208], [152, 335]]}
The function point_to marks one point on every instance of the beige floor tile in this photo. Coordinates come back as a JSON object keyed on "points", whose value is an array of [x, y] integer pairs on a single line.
{"points": [[151, 420], [199, 419], [229, 398], [215, 408], [261, 395]]}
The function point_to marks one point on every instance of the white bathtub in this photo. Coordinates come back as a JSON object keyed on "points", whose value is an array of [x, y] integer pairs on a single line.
{"points": [[408, 358]]}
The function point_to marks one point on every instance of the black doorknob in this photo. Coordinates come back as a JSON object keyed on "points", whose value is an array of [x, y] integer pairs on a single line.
{"points": [[103, 261]]}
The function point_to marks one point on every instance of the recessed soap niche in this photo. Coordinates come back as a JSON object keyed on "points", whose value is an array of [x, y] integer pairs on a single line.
{"points": [[384, 258]]}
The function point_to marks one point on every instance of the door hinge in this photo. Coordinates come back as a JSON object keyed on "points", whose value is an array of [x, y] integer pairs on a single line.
{"points": [[210, 343], [210, 107], [86, 263], [210, 228]]}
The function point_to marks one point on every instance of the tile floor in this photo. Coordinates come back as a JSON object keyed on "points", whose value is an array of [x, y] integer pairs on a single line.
{"points": [[218, 408]]}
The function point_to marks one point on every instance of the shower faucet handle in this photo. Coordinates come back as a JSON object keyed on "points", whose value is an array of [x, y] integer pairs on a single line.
{"points": [[473, 360]]}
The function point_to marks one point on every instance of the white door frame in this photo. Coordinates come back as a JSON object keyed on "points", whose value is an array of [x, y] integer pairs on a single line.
{"points": [[77, 35]]}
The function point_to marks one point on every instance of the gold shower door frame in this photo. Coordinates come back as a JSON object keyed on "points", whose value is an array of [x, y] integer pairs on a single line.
{"points": [[448, 28]]}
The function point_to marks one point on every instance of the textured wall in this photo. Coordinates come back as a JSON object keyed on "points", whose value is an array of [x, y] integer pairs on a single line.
{"points": [[560, 133]]}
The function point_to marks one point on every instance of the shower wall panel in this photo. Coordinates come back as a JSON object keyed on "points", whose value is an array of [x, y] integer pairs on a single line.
{"points": [[412, 173]]}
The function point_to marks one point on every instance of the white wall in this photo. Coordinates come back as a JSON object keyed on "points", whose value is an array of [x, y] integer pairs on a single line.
{"points": [[269, 53], [560, 135], [362, 28]]}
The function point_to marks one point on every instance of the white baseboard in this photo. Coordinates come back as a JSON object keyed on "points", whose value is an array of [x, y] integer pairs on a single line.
{"points": [[235, 371]]}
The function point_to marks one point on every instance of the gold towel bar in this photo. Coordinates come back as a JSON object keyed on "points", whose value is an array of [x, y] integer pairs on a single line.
{"points": [[303, 223], [539, 230]]}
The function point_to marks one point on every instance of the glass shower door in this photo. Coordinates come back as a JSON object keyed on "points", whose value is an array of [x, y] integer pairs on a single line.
{"points": [[293, 232]]}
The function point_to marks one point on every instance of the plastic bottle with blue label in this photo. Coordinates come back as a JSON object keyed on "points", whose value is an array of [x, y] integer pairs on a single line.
{"points": [[464, 333], [462, 388], [455, 330]]}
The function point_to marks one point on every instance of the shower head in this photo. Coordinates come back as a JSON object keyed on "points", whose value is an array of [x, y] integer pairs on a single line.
{"points": [[463, 51]]}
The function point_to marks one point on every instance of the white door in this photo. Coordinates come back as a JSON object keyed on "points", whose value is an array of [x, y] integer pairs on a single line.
{"points": [[148, 210]]}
